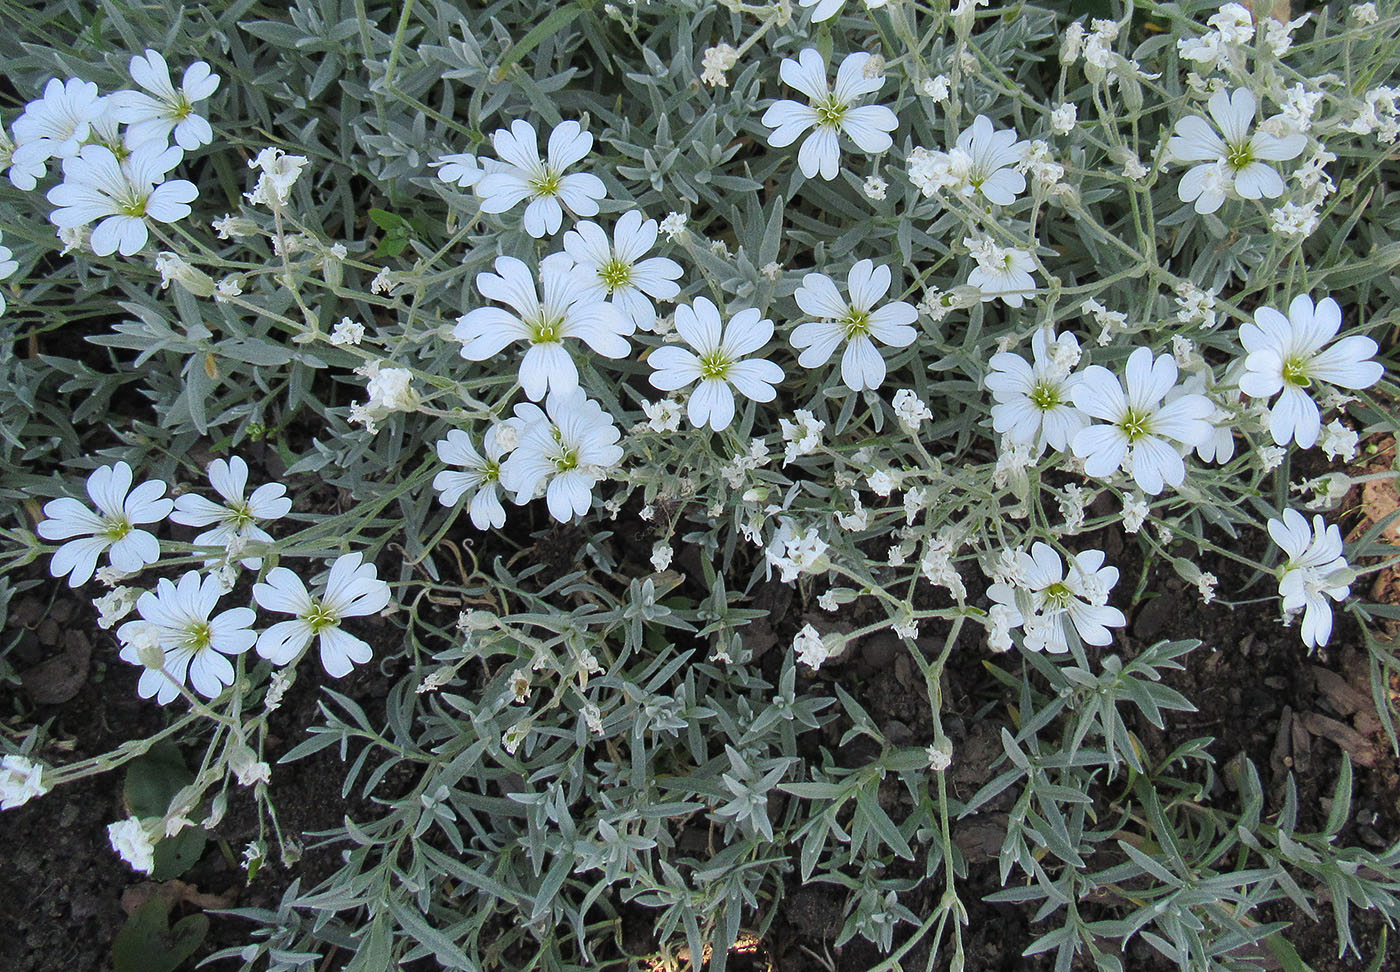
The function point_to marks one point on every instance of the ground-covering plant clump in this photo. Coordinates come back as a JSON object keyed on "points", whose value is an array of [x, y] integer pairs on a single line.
{"points": [[685, 455]]}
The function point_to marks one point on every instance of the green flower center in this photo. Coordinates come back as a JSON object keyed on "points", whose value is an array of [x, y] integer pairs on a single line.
{"points": [[133, 205], [199, 636], [715, 365], [1135, 425], [491, 471], [615, 274], [1046, 396], [546, 184], [546, 330], [320, 617], [856, 323], [240, 515], [1239, 155], [1057, 596], [566, 460], [830, 112], [1295, 371], [117, 527], [182, 108]]}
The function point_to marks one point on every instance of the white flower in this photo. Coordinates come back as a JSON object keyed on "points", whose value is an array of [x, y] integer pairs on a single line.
{"points": [[663, 416], [562, 308], [546, 184], [123, 195], [388, 389], [481, 474], [114, 605], [809, 647], [21, 780], [461, 168], [1035, 402], [1135, 510], [616, 271], [278, 173], [801, 437], [8, 266], [874, 187], [1315, 567], [1139, 423], [831, 112], [717, 362], [795, 553], [853, 322], [1363, 14], [1047, 597], [347, 331], [113, 526], [1339, 441], [661, 555], [882, 482], [936, 88], [130, 839], [982, 161], [352, 590], [1000, 272], [910, 410], [54, 126], [1063, 118], [1234, 164], [940, 755], [193, 643], [716, 62], [155, 116], [236, 517], [567, 449], [1287, 354], [673, 226]]}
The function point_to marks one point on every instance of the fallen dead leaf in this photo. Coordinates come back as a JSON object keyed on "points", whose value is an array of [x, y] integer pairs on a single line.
{"points": [[1362, 751], [175, 891]]}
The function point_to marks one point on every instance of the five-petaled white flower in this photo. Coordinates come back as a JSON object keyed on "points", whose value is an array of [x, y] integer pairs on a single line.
{"points": [[1232, 160], [545, 183], [616, 270], [176, 618], [1311, 571], [716, 362], [1139, 424], [166, 110], [564, 307], [124, 195], [1287, 354], [565, 448], [479, 473], [352, 590], [1035, 402], [120, 509], [856, 322], [983, 160], [1045, 597], [53, 126], [831, 112], [236, 517]]}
